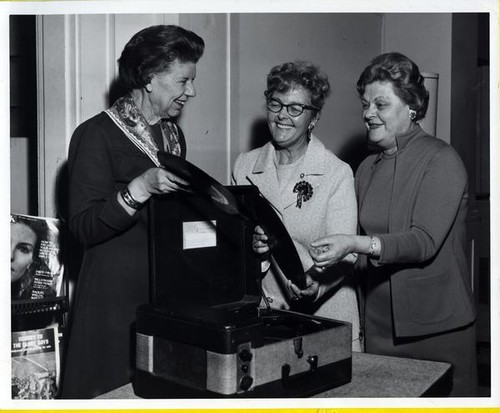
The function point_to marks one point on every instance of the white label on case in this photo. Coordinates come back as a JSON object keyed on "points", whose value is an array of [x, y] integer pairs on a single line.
{"points": [[199, 234]]}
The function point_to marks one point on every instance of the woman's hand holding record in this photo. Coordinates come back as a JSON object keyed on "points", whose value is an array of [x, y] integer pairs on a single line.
{"points": [[278, 240], [200, 182]]}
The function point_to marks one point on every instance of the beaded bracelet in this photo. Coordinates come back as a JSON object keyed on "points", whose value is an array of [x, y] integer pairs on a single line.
{"points": [[129, 200]]}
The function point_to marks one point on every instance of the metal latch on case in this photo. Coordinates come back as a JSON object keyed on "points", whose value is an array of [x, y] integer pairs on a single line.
{"points": [[297, 347]]}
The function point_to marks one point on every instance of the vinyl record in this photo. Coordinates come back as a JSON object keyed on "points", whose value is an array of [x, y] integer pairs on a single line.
{"points": [[283, 248], [200, 182], [281, 244]]}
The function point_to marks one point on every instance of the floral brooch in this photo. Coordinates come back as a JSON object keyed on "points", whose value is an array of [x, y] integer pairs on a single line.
{"points": [[304, 192]]}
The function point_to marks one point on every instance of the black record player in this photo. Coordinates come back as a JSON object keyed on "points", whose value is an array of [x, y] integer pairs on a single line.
{"points": [[204, 334]]}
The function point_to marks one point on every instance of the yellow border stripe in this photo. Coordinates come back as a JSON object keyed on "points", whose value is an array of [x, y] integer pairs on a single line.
{"points": [[287, 410]]}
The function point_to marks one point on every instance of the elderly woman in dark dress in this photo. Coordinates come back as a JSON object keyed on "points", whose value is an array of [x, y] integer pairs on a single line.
{"points": [[113, 171], [412, 200]]}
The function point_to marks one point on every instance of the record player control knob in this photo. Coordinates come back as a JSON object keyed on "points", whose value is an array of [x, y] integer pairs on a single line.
{"points": [[245, 355], [246, 383]]}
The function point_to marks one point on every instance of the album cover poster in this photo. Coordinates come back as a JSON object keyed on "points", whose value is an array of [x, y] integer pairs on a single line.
{"points": [[36, 264], [35, 364]]}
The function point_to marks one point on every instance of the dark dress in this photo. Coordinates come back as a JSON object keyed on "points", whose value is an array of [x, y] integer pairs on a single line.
{"points": [[114, 276], [455, 344]]}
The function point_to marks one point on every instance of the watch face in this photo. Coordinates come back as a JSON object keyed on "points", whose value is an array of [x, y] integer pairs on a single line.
{"points": [[200, 182]]}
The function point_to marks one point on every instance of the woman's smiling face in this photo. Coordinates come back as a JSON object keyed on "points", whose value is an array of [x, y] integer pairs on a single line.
{"points": [[22, 245], [385, 115], [170, 90], [289, 131]]}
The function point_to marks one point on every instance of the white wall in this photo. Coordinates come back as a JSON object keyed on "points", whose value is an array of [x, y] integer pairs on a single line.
{"points": [[19, 177], [97, 67], [75, 75], [75, 78], [76, 67], [340, 44], [426, 39], [206, 117]]}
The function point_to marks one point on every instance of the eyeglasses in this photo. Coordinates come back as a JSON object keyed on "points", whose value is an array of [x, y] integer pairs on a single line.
{"points": [[293, 109]]}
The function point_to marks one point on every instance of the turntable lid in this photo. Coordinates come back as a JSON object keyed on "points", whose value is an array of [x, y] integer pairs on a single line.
{"points": [[283, 248]]}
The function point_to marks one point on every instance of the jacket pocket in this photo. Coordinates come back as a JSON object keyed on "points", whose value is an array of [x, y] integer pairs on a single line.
{"points": [[430, 298]]}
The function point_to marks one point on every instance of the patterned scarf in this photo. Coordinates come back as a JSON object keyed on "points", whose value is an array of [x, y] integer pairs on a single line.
{"points": [[128, 117]]}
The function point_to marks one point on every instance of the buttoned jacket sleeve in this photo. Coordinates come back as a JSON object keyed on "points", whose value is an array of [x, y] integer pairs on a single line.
{"points": [[95, 214]]}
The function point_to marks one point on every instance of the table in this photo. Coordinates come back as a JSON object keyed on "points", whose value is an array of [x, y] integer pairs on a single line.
{"points": [[372, 376], [383, 376]]}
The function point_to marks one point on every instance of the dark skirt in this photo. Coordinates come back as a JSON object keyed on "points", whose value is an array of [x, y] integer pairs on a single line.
{"points": [[457, 347]]}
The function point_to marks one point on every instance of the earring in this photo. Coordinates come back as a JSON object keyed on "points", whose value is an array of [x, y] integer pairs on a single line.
{"points": [[313, 123], [309, 129], [412, 114]]}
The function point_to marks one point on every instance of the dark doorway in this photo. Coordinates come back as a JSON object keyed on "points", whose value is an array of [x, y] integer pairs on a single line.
{"points": [[23, 112]]}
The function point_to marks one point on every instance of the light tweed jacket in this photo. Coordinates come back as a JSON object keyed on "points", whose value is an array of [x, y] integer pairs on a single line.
{"points": [[331, 209]]}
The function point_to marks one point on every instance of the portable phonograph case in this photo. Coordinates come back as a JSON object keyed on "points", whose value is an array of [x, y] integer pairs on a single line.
{"points": [[204, 335]]}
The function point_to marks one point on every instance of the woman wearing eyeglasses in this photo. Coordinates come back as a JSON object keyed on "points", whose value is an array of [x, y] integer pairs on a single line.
{"points": [[312, 190]]}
